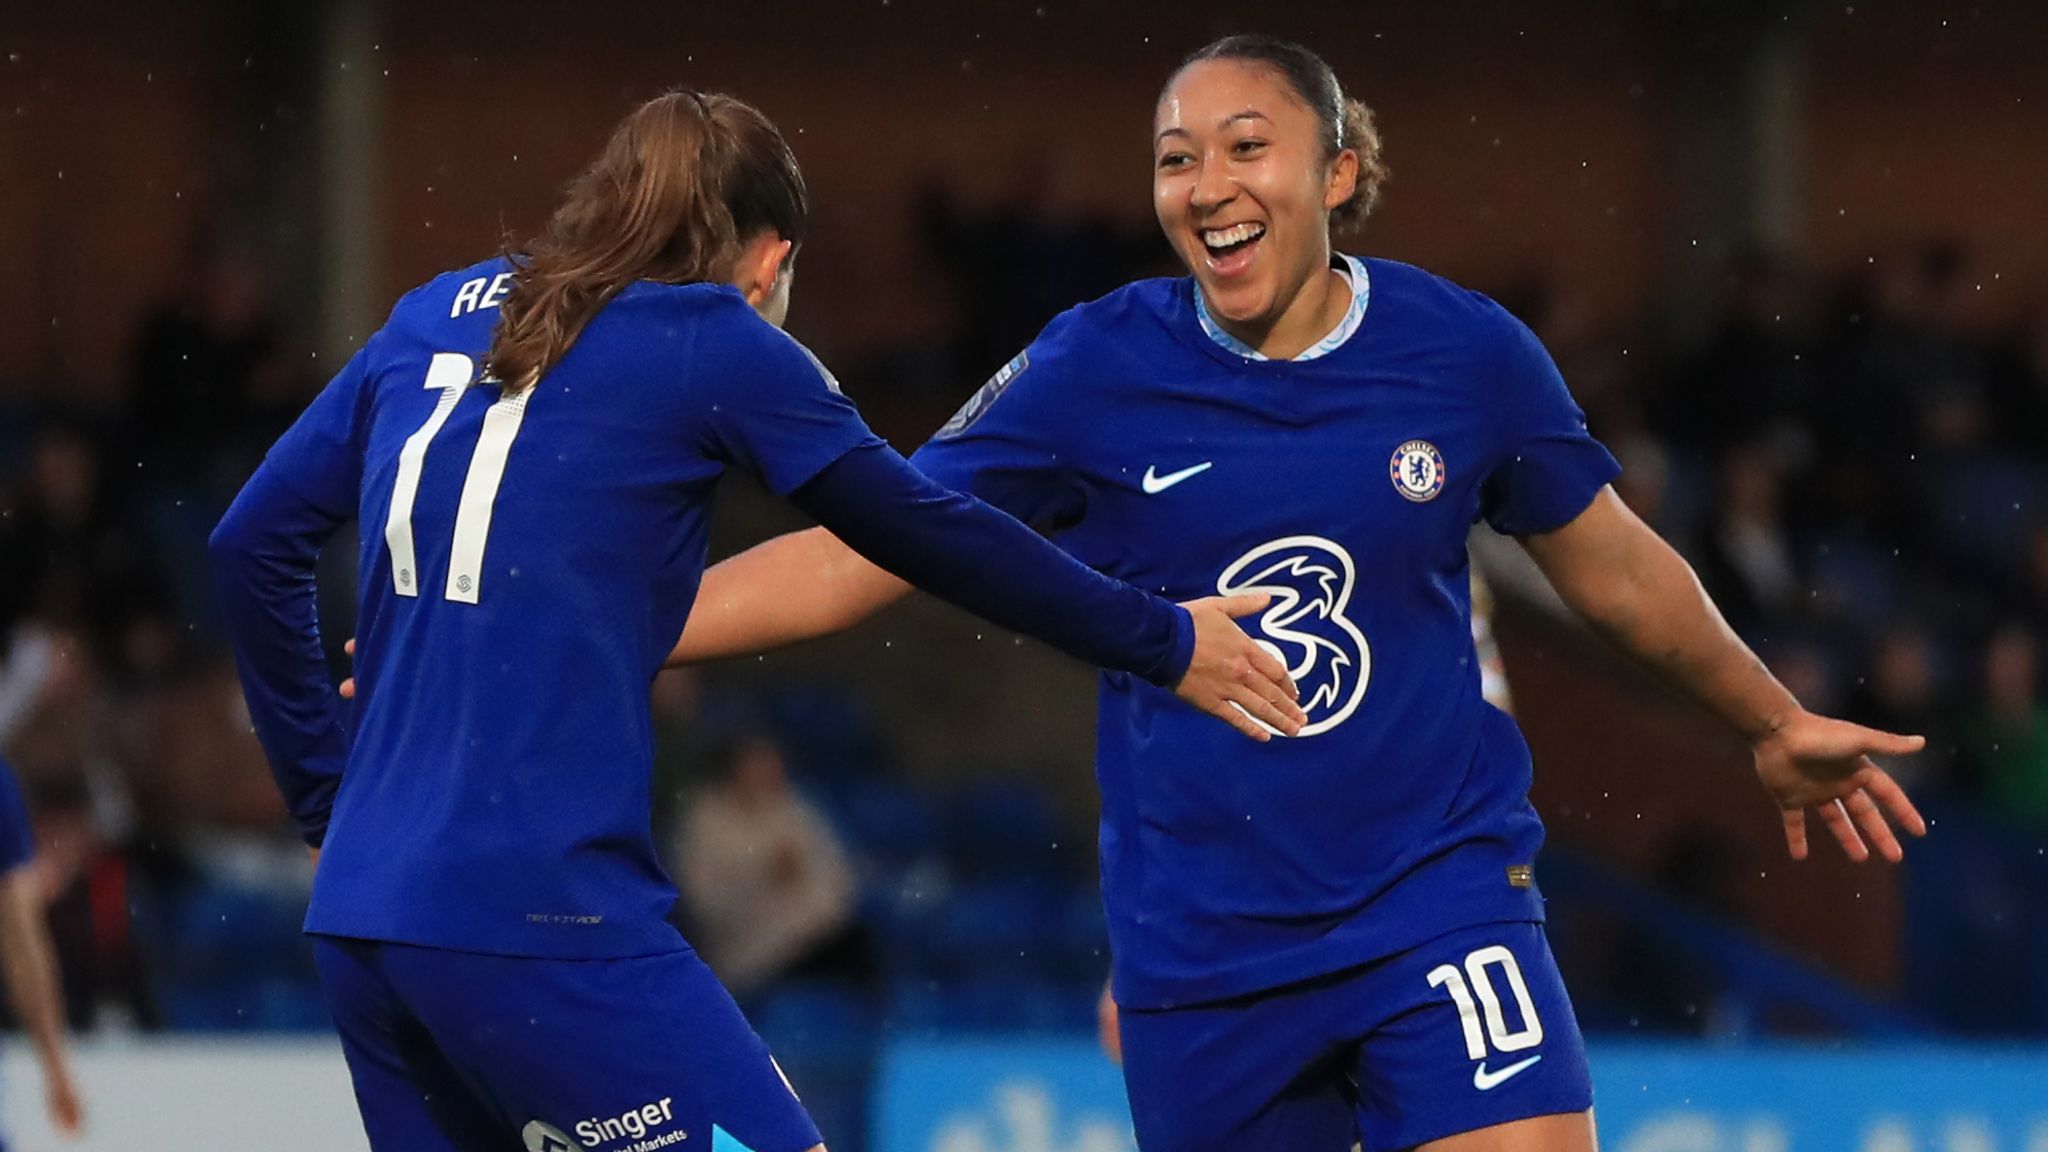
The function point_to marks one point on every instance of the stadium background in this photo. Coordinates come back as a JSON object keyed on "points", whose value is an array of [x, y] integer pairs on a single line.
{"points": [[1791, 256]]}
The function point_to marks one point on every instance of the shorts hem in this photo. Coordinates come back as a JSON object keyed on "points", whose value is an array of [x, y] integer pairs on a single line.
{"points": [[1419, 1136]]}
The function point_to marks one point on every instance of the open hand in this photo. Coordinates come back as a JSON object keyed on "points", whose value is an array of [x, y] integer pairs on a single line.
{"points": [[1231, 677], [1814, 762]]}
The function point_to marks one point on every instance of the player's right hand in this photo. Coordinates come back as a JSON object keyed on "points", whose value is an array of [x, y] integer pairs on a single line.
{"points": [[348, 686], [1231, 677], [1824, 764]]}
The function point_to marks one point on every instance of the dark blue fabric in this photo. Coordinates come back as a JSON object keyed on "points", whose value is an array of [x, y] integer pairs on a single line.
{"points": [[1344, 486], [1381, 1056], [495, 794], [457, 1052], [982, 560]]}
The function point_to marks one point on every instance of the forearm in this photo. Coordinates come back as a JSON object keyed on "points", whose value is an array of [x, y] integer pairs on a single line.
{"points": [[1638, 593], [263, 553], [31, 967], [796, 587], [990, 564]]}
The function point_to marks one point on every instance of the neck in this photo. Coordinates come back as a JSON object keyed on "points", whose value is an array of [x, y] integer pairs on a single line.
{"points": [[1316, 308]]}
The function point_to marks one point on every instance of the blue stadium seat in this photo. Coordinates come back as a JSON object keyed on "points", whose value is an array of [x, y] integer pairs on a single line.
{"points": [[826, 732], [826, 1020], [1975, 926], [993, 1005], [1985, 510], [1008, 828], [1010, 928]]}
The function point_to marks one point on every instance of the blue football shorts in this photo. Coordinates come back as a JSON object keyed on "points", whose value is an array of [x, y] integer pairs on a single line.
{"points": [[462, 1052], [1467, 1031]]}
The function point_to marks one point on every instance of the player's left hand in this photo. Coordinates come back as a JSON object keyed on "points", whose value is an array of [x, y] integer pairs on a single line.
{"points": [[1815, 762], [348, 686]]}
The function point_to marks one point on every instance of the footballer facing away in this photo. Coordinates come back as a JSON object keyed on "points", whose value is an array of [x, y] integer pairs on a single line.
{"points": [[531, 446]]}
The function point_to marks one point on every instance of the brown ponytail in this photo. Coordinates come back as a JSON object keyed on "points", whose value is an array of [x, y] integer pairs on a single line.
{"points": [[1361, 135], [684, 182]]}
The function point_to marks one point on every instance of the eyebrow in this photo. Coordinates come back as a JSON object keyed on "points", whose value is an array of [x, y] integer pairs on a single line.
{"points": [[1247, 114]]}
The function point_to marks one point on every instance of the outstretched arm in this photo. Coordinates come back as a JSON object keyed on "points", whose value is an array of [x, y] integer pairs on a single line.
{"points": [[796, 587], [809, 584], [1642, 596], [979, 558]]}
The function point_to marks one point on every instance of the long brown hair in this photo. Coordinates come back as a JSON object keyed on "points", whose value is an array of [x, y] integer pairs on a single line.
{"points": [[684, 182]]}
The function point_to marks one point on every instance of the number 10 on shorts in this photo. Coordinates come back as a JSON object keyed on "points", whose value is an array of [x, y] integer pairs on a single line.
{"points": [[1477, 977]]}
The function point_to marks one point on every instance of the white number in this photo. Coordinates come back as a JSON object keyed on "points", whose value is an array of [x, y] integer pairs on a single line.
{"points": [[1448, 977], [450, 373]]}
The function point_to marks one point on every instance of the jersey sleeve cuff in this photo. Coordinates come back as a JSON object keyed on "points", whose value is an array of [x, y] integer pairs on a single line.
{"points": [[1181, 653]]}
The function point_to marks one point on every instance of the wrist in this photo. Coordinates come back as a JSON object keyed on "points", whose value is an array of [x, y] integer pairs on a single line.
{"points": [[1180, 652], [1773, 725]]}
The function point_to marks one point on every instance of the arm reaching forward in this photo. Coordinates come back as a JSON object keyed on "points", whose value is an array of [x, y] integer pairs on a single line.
{"points": [[809, 584], [973, 555], [1640, 595], [796, 587]]}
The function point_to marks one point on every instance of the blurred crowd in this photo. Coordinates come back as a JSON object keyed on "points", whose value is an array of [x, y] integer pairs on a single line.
{"points": [[1857, 467]]}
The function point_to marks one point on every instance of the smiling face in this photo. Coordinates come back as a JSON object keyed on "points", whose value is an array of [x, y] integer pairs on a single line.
{"points": [[1243, 182]]}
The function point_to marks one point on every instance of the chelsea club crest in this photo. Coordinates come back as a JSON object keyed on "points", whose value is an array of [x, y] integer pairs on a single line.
{"points": [[1417, 470]]}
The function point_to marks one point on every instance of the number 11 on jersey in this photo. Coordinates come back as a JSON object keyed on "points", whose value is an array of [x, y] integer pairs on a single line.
{"points": [[449, 374]]}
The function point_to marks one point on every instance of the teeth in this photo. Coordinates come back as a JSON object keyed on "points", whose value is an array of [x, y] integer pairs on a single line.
{"points": [[1225, 237]]}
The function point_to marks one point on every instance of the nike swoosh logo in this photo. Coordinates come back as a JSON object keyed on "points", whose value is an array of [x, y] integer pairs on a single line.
{"points": [[1154, 483], [1487, 1081]]}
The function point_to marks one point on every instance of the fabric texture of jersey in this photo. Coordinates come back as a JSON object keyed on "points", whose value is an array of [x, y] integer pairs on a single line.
{"points": [[458, 1052], [1460, 1033], [1345, 487], [496, 794]]}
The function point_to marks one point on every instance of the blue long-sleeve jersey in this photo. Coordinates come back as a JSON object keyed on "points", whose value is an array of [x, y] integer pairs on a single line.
{"points": [[1344, 485], [527, 563]]}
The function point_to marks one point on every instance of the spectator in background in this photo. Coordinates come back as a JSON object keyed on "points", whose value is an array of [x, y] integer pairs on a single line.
{"points": [[1747, 559], [207, 388], [2031, 587], [89, 886], [1017, 264], [1904, 687], [1757, 375], [65, 558], [2007, 734], [2019, 389], [26, 955], [766, 880]]}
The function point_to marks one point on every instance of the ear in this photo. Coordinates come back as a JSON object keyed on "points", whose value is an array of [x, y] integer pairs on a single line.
{"points": [[761, 265], [1342, 181]]}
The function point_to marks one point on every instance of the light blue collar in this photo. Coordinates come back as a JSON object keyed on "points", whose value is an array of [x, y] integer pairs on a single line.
{"points": [[1353, 271]]}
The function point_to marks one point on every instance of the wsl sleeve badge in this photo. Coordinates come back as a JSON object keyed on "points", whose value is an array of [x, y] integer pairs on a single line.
{"points": [[984, 397], [1417, 470]]}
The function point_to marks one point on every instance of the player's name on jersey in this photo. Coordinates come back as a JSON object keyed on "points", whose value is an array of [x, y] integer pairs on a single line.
{"points": [[482, 292]]}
